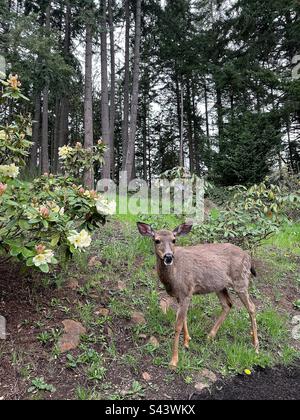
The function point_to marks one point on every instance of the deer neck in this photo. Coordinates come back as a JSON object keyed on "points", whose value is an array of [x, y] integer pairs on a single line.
{"points": [[166, 274]]}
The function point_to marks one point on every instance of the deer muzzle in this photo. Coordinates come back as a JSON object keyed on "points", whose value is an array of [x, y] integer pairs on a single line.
{"points": [[169, 259]]}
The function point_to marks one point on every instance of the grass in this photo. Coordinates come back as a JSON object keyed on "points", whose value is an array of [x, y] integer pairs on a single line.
{"points": [[124, 256], [232, 351], [288, 239]]}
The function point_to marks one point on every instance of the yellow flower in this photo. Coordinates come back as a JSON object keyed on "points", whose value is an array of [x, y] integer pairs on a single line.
{"points": [[64, 152], [14, 82], [3, 135], [44, 256], [9, 171], [105, 207], [80, 240], [248, 372]]}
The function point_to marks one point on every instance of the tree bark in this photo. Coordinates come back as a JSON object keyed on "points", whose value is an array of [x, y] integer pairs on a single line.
{"points": [[54, 145], [45, 118], [88, 102], [106, 135], [113, 87], [125, 123], [220, 117], [63, 131], [135, 96], [145, 136], [35, 135], [181, 151], [192, 148]]}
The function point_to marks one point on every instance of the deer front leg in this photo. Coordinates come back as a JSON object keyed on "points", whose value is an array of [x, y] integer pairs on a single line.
{"points": [[187, 337], [180, 322]]}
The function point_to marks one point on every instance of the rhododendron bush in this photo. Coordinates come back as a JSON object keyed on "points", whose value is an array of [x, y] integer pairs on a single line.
{"points": [[47, 220]]}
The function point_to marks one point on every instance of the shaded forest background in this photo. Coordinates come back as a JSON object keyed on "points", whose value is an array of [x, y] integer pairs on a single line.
{"points": [[203, 84]]}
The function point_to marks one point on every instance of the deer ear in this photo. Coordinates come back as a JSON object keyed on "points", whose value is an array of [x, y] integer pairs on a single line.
{"points": [[183, 230], [145, 230]]}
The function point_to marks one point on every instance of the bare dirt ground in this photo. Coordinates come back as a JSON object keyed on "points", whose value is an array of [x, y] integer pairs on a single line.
{"points": [[280, 383], [28, 308], [34, 315]]}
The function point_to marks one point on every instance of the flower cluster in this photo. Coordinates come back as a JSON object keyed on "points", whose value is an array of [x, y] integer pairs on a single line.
{"points": [[14, 82], [80, 240], [105, 207], [44, 256], [91, 194], [75, 160], [64, 152], [9, 171], [52, 215]]}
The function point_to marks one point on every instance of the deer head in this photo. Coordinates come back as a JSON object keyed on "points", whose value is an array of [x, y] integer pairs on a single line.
{"points": [[165, 240]]}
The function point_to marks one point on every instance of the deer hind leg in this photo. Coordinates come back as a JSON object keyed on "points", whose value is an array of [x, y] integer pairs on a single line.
{"points": [[245, 298], [226, 303]]}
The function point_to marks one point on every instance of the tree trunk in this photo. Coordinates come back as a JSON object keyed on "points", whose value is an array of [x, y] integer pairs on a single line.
{"points": [[181, 151], [125, 124], [65, 105], [54, 148], [45, 118], [88, 103], [192, 148], [179, 97], [35, 135], [220, 117], [145, 135], [113, 87], [135, 95], [104, 95]]}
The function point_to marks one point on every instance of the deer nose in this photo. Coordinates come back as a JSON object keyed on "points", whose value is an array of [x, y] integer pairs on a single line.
{"points": [[169, 259]]}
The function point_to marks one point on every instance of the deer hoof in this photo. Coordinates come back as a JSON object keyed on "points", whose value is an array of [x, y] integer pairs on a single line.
{"points": [[187, 343], [173, 365]]}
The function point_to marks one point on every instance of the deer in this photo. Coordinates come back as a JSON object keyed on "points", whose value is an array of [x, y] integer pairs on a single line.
{"points": [[201, 270]]}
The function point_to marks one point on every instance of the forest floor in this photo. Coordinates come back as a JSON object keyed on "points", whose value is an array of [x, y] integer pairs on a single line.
{"points": [[124, 355]]}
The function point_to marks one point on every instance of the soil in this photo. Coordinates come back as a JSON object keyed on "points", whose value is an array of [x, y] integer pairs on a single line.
{"points": [[281, 383], [25, 304], [29, 310]]}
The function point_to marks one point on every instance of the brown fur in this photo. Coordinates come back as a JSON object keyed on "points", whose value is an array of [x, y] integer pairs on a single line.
{"points": [[200, 270]]}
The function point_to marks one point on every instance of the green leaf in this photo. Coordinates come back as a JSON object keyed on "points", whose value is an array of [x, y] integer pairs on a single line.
{"points": [[45, 268]]}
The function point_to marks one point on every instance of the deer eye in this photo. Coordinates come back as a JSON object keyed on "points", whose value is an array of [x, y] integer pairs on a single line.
{"points": [[157, 242], [174, 241]]}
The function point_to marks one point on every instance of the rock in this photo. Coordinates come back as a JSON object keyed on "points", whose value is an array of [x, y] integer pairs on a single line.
{"points": [[296, 332], [200, 386], [296, 320], [94, 262], [146, 376], [138, 318], [73, 284], [154, 342], [164, 305], [121, 286], [94, 296], [3, 335], [71, 338], [109, 332], [208, 374], [102, 312], [168, 302]]}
